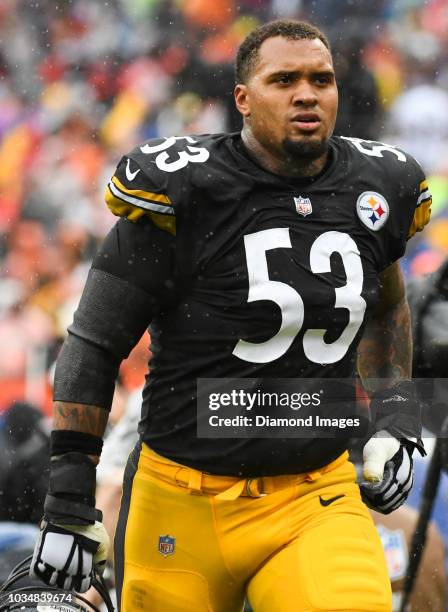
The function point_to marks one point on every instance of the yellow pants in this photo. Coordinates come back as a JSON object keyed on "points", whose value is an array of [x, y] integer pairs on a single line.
{"points": [[188, 541]]}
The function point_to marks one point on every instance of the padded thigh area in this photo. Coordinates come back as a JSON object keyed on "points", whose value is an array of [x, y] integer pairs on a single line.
{"points": [[338, 565]]}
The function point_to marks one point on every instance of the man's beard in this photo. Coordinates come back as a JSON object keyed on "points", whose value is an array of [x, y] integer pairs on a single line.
{"points": [[305, 149]]}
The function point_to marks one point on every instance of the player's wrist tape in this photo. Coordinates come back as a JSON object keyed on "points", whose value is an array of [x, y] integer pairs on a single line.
{"points": [[70, 512], [66, 441], [398, 411], [71, 492]]}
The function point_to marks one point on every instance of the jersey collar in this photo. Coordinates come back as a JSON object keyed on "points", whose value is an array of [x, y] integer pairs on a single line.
{"points": [[249, 164]]}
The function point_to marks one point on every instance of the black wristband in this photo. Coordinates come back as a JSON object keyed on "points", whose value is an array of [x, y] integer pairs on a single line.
{"points": [[73, 474], [63, 512], [66, 441], [71, 492], [398, 411]]}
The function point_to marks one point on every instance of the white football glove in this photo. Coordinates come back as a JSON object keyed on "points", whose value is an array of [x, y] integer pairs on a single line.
{"points": [[388, 472], [66, 555]]}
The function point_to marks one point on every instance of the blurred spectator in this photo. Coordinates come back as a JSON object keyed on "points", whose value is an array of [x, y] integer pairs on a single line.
{"points": [[429, 588], [418, 123], [359, 109], [24, 450]]}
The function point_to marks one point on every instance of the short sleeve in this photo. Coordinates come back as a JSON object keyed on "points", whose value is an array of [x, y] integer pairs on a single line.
{"points": [[142, 255], [422, 212], [135, 194]]}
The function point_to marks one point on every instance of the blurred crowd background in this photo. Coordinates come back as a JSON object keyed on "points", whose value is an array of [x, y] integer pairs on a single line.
{"points": [[83, 81]]}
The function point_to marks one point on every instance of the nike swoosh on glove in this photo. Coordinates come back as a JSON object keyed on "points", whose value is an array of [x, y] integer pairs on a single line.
{"points": [[66, 555], [388, 472]]}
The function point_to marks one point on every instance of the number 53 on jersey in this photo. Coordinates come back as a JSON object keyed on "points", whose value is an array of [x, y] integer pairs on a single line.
{"points": [[290, 302]]}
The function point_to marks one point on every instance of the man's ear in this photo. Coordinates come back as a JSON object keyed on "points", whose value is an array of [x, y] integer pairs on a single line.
{"points": [[242, 99]]}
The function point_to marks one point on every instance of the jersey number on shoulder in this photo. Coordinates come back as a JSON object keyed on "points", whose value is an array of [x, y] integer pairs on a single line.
{"points": [[374, 149], [163, 160], [261, 287]]}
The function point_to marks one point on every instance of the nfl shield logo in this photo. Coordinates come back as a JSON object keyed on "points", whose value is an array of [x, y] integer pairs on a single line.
{"points": [[166, 545], [303, 206]]}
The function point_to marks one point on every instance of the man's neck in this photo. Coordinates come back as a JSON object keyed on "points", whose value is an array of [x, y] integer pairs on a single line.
{"points": [[284, 165]]}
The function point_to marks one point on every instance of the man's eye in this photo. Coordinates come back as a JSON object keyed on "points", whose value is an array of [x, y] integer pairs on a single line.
{"points": [[284, 78], [323, 80]]}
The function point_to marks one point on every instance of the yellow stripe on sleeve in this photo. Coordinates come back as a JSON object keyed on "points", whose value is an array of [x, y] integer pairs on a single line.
{"points": [[163, 222], [423, 185], [134, 213], [145, 195], [421, 217]]}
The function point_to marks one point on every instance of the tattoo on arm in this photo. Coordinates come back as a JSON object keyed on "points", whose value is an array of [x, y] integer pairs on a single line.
{"points": [[80, 417], [385, 351]]}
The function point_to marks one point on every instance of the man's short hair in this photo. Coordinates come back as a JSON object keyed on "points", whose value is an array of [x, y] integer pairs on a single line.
{"points": [[287, 28]]}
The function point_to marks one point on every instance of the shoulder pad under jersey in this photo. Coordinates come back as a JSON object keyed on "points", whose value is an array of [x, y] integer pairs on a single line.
{"points": [[153, 179], [402, 170]]}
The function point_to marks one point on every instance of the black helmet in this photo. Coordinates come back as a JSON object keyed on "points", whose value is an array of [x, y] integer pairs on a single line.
{"points": [[35, 596]]}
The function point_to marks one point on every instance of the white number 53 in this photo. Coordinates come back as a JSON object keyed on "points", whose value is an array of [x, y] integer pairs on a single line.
{"points": [[261, 287], [163, 161]]}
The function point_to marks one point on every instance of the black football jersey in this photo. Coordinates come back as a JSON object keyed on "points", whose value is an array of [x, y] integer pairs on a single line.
{"points": [[265, 276]]}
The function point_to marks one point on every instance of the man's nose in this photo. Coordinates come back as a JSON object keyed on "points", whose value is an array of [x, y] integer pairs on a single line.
{"points": [[304, 94]]}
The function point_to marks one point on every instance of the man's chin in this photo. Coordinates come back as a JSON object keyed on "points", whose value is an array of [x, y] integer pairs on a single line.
{"points": [[308, 147]]}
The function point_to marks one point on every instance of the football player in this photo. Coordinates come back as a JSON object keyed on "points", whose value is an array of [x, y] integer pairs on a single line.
{"points": [[266, 254]]}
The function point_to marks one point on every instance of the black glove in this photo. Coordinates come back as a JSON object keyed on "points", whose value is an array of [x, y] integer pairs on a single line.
{"points": [[65, 555], [387, 456], [72, 540], [397, 410]]}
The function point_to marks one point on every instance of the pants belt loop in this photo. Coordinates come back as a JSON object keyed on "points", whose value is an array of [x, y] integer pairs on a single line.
{"points": [[254, 487], [195, 481], [312, 476], [232, 492]]}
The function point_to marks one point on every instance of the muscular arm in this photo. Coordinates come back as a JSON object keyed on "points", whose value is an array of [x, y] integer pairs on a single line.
{"points": [[385, 350], [80, 417], [126, 285]]}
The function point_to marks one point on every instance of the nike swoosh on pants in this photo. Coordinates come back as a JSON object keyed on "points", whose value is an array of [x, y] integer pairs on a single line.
{"points": [[327, 502]]}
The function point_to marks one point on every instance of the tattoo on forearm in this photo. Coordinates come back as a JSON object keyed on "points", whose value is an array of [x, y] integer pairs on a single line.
{"points": [[80, 417], [385, 351]]}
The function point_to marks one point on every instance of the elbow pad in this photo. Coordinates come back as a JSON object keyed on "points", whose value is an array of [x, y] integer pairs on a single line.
{"points": [[112, 313], [110, 320], [85, 374]]}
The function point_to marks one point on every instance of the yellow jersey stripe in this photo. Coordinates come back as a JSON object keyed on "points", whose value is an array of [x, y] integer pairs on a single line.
{"points": [[147, 205], [164, 222], [421, 217], [133, 213], [424, 185], [423, 197], [138, 193]]}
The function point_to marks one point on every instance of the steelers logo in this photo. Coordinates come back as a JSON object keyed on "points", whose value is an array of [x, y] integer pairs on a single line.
{"points": [[373, 210]]}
